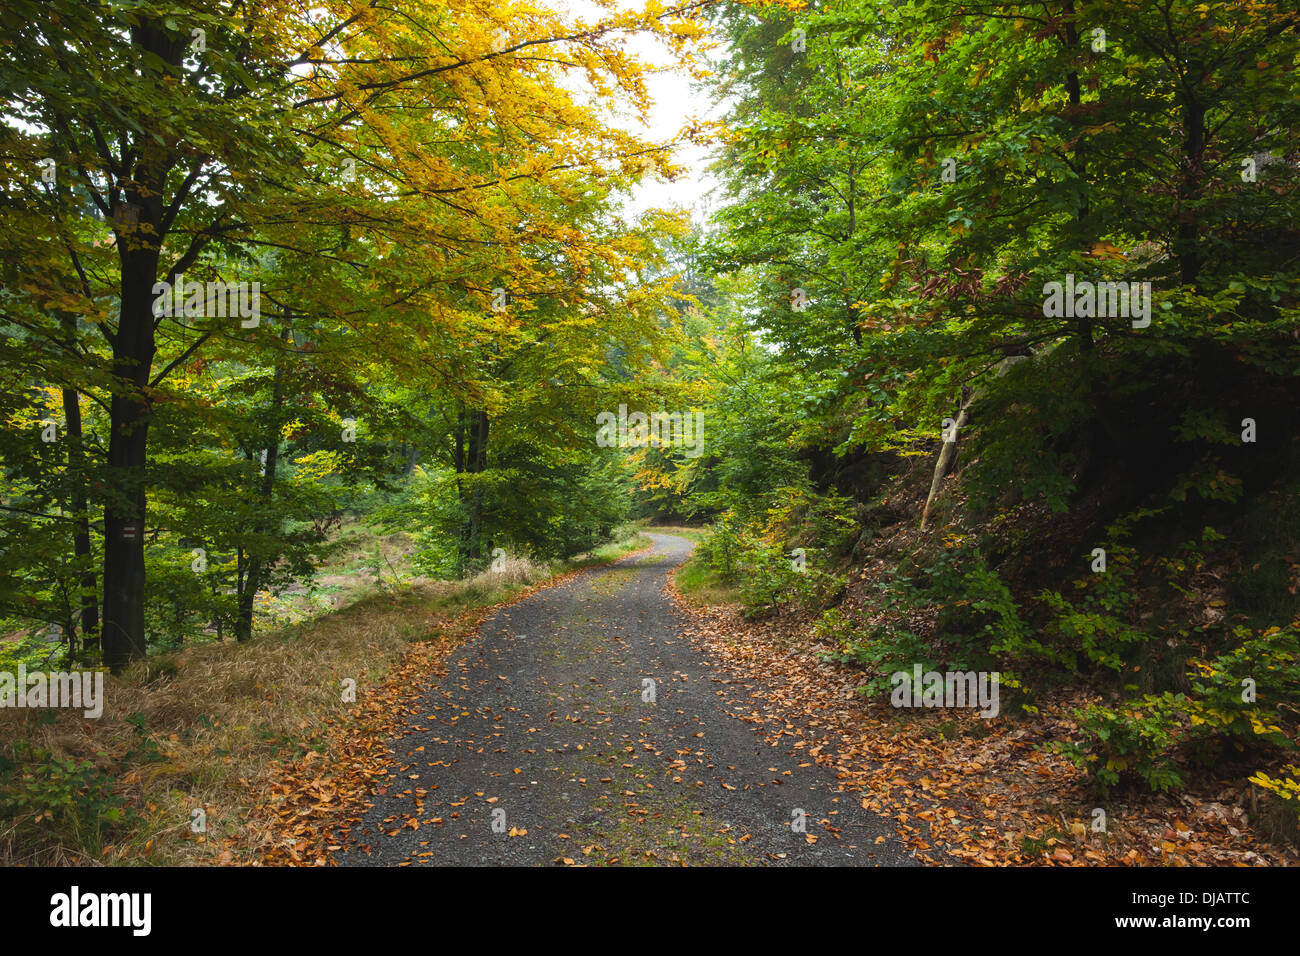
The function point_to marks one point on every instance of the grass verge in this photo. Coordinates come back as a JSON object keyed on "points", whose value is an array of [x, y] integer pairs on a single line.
{"points": [[701, 586], [188, 762]]}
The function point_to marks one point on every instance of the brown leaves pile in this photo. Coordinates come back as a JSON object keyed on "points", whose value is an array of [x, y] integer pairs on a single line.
{"points": [[962, 789], [311, 799], [303, 815]]}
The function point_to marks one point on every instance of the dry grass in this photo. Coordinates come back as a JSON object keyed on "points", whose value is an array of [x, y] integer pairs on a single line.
{"points": [[207, 728]]}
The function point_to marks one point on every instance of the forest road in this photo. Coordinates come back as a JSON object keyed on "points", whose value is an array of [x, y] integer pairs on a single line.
{"points": [[582, 724]]}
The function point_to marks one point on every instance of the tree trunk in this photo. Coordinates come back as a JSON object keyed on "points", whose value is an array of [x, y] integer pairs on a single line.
{"points": [[949, 450], [80, 509], [78, 500], [1083, 325], [1186, 246], [138, 245], [946, 454], [125, 504], [471, 459], [257, 566]]}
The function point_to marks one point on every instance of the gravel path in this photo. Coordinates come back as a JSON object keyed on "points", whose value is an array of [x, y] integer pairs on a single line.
{"points": [[543, 746]]}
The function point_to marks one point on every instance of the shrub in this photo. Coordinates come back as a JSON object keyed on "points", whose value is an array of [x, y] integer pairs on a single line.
{"points": [[1286, 789], [1133, 741], [58, 804], [1144, 738]]}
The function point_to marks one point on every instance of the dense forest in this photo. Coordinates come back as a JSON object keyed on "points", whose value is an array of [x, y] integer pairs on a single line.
{"points": [[985, 359]]}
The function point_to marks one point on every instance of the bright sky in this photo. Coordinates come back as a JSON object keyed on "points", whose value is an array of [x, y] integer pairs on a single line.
{"points": [[675, 102]]}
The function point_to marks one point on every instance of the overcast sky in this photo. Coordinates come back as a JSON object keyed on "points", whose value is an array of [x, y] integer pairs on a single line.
{"points": [[675, 103]]}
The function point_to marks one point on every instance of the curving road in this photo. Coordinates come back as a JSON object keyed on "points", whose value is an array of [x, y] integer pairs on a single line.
{"points": [[542, 746]]}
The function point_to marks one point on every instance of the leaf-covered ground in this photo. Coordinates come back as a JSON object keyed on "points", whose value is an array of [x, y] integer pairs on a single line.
{"points": [[960, 787], [540, 724], [534, 708]]}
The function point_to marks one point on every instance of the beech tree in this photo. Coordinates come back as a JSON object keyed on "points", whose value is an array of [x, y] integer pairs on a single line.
{"points": [[414, 135]]}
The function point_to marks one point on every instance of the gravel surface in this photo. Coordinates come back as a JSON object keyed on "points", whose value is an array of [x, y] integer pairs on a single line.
{"points": [[542, 747]]}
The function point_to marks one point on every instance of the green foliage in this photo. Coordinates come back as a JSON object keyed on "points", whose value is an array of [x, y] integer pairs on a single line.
{"points": [[33, 650], [881, 649], [979, 616], [772, 570], [770, 577], [1025, 454], [545, 513], [1133, 741], [1151, 737], [1098, 627], [1265, 667], [60, 803], [720, 549], [978, 619], [1111, 624]]}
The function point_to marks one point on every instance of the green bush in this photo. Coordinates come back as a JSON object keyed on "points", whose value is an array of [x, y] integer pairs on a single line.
{"points": [[765, 571], [1147, 738], [1265, 668], [56, 803], [979, 617], [1133, 741], [1098, 627], [881, 649], [720, 549]]}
